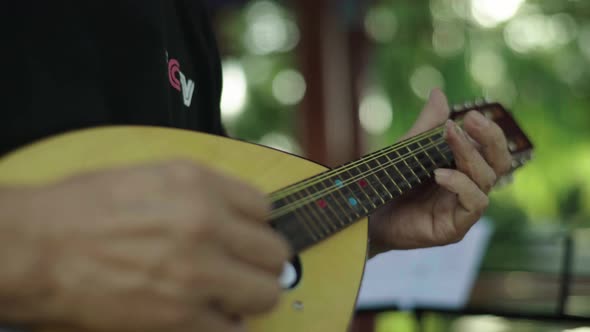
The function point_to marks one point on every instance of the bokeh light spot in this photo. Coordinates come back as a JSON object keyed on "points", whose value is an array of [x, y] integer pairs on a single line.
{"points": [[489, 13], [381, 24], [487, 67], [257, 68], [480, 324], [234, 93], [448, 39], [268, 30], [584, 41], [375, 113], [424, 79], [540, 32], [288, 87]]}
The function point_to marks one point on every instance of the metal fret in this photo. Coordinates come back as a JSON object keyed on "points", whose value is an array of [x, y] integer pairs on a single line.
{"points": [[329, 199], [439, 151], [427, 154], [374, 172], [291, 228], [399, 172], [343, 206], [299, 212], [359, 177], [382, 162], [312, 207], [319, 207], [404, 159], [348, 201], [299, 219], [414, 150]]}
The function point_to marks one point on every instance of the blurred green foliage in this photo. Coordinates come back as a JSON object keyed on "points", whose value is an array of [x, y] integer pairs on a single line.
{"points": [[531, 55], [548, 90], [544, 80]]}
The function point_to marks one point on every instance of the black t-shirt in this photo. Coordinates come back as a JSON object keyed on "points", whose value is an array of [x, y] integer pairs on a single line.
{"points": [[69, 64]]}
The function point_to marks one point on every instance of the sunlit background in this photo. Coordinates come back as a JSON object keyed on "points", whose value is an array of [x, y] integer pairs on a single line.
{"points": [[332, 80]]}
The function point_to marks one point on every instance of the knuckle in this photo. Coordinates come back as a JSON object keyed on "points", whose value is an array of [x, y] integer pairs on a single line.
{"points": [[483, 204], [203, 278], [201, 229], [496, 135]]}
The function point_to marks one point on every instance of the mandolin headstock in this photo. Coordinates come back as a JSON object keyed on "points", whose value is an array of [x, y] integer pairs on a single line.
{"points": [[520, 146]]}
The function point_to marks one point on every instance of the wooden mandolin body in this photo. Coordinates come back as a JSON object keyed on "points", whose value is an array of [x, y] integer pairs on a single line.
{"points": [[331, 271]]}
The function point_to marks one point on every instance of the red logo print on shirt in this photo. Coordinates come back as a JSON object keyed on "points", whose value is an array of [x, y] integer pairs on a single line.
{"points": [[180, 82]]}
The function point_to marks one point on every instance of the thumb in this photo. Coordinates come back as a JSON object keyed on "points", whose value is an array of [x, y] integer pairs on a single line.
{"points": [[435, 113]]}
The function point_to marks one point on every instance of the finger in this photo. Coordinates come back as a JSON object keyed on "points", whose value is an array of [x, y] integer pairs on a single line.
{"points": [[472, 201], [244, 199], [492, 140], [434, 113], [240, 196], [239, 288], [468, 158], [259, 246]]}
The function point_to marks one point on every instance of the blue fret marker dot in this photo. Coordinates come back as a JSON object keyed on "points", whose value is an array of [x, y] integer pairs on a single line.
{"points": [[338, 183], [352, 201]]}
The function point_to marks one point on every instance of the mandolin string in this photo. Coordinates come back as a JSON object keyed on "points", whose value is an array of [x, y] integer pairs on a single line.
{"points": [[310, 221], [339, 170], [306, 183], [351, 180], [309, 198], [377, 154], [321, 221]]}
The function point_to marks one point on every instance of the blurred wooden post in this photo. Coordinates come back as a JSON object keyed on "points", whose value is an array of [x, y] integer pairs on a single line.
{"points": [[329, 112]]}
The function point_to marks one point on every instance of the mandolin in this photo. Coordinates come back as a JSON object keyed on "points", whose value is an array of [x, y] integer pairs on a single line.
{"points": [[322, 213]]}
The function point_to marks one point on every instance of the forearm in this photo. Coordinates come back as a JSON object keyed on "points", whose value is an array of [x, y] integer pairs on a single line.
{"points": [[23, 288]]}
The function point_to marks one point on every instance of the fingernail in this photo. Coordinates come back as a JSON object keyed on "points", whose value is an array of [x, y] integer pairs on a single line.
{"points": [[448, 126], [442, 174], [480, 120], [458, 129]]}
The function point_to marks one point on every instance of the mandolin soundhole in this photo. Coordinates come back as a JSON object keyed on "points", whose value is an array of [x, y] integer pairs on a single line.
{"points": [[291, 274]]}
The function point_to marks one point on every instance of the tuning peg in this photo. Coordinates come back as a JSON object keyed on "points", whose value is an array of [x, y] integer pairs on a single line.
{"points": [[468, 105]]}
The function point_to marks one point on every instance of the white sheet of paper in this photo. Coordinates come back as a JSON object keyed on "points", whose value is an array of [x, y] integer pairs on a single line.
{"points": [[439, 277]]}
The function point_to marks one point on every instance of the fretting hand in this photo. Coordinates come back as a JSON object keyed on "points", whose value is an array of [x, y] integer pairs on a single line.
{"points": [[443, 212]]}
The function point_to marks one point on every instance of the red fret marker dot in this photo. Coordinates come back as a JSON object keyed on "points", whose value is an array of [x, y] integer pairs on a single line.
{"points": [[363, 183], [322, 203]]}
